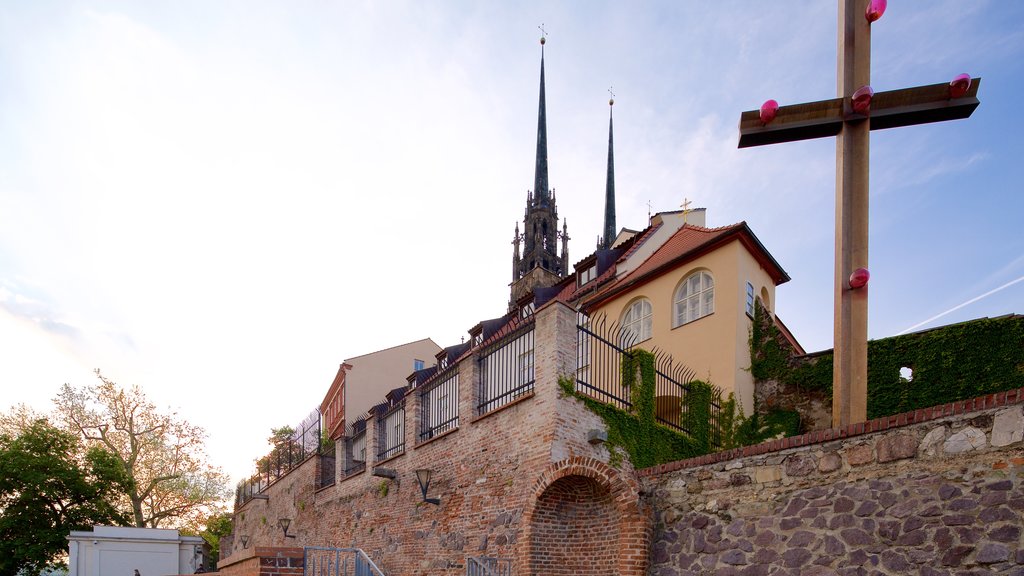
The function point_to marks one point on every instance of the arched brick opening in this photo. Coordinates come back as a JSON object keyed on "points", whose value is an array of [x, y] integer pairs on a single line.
{"points": [[584, 517]]}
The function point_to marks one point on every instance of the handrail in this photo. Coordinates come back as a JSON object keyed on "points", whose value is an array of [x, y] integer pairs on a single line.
{"points": [[363, 565], [488, 566]]}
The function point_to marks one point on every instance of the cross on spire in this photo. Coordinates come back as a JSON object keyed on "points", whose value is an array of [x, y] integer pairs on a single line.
{"points": [[850, 117]]}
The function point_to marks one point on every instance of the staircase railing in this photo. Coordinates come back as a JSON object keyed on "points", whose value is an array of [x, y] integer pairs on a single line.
{"points": [[319, 561], [488, 566]]}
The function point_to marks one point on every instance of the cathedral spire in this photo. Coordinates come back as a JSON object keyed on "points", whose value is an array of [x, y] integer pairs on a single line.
{"points": [[540, 175], [609, 190], [539, 264]]}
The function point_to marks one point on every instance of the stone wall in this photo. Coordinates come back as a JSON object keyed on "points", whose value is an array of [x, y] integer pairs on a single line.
{"points": [[935, 492], [501, 478]]}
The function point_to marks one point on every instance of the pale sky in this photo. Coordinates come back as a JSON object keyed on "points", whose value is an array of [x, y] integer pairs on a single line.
{"points": [[221, 201]]}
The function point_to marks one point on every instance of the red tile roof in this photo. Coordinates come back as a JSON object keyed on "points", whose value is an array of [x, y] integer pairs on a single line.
{"points": [[685, 245]]}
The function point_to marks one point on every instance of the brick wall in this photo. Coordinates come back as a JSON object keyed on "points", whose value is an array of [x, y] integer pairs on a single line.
{"points": [[501, 478], [936, 492], [264, 561]]}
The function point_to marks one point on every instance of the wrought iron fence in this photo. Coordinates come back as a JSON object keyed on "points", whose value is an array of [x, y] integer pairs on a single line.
{"points": [[506, 368], [303, 443], [599, 360], [488, 566], [391, 432], [328, 463], [439, 404], [319, 561], [601, 348], [355, 444], [671, 385]]}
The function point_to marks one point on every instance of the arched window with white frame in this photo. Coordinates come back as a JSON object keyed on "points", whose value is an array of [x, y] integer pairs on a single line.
{"points": [[695, 298], [636, 320]]}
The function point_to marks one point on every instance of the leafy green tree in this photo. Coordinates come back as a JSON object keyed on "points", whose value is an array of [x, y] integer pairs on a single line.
{"points": [[48, 488], [217, 526], [275, 463], [170, 482]]}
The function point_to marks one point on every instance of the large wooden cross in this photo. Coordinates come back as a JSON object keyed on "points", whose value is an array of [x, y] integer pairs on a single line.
{"points": [[838, 117]]}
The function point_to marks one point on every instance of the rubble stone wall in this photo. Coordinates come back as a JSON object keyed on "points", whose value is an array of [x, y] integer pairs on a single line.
{"points": [[936, 492]]}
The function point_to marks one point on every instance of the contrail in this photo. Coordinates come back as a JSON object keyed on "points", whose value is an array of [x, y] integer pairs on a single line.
{"points": [[959, 306]]}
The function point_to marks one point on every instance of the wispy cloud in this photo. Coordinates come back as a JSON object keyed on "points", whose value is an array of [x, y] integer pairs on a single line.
{"points": [[40, 313], [961, 305]]}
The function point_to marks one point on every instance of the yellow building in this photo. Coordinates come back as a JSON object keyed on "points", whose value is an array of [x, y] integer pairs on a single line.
{"points": [[688, 291]]}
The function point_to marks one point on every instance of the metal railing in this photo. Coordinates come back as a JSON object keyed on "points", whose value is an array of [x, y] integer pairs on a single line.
{"points": [[488, 566], [506, 369], [600, 350], [320, 561], [391, 432], [288, 454], [355, 458], [327, 476], [439, 404], [671, 385]]}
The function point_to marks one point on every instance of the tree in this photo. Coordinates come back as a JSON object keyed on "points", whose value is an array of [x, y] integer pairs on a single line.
{"points": [[47, 490], [217, 526], [162, 455]]}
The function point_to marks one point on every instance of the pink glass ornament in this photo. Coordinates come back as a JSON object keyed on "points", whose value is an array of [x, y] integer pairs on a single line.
{"points": [[959, 86], [859, 278], [862, 99], [875, 10], [768, 111]]}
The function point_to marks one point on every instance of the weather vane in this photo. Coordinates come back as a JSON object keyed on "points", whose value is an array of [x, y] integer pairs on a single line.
{"points": [[611, 96], [543, 34]]}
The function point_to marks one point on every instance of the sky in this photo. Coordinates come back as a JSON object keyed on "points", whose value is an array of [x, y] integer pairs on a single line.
{"points": [[222, 201]]}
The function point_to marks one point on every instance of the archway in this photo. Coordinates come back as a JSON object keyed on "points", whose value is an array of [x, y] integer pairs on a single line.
{"points": [[584, 518]]}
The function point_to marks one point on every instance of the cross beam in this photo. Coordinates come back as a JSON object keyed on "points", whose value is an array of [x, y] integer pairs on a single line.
{"points": [[825, 118], [838, 117]]}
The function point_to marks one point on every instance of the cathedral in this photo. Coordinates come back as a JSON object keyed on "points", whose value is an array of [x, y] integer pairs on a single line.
{"points": [[536, 259]]}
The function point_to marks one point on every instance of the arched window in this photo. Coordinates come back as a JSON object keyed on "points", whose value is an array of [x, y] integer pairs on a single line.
{"points": [[695, 298], [764, 300], [637, 320]]}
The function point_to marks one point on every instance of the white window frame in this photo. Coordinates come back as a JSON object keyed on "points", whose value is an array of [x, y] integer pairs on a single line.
{"points": [[750, 299], [638, 319], [694, 298]]}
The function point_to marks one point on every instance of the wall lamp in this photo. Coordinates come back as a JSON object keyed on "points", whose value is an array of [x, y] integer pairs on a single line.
{"points": [[245, 541], [284, 523], [423, 478]]}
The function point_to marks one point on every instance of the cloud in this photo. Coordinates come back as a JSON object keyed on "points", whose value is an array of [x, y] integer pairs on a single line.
{"points": [[37, 312]]}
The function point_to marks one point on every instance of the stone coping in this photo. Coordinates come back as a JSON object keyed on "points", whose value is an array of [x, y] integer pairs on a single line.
{"points": [[999, 399]]}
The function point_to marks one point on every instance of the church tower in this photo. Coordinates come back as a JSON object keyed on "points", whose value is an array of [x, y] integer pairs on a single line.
{"points": [[539, 264]]}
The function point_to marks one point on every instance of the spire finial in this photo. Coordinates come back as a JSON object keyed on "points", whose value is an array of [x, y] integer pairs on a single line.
{"points": [[541, 193], [543, 35], [686, 207], [611, 97]]}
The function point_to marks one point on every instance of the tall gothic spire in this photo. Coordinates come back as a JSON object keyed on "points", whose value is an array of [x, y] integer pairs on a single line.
{"points": [[609, 190], [539, 264], [540, 175]]}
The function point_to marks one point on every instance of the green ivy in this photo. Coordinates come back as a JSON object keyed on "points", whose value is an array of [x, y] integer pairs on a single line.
{"points": [[951, 363], [637, 434]]}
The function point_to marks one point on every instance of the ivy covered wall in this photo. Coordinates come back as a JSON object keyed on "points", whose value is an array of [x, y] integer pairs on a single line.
{"points": [[945, 364]]}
